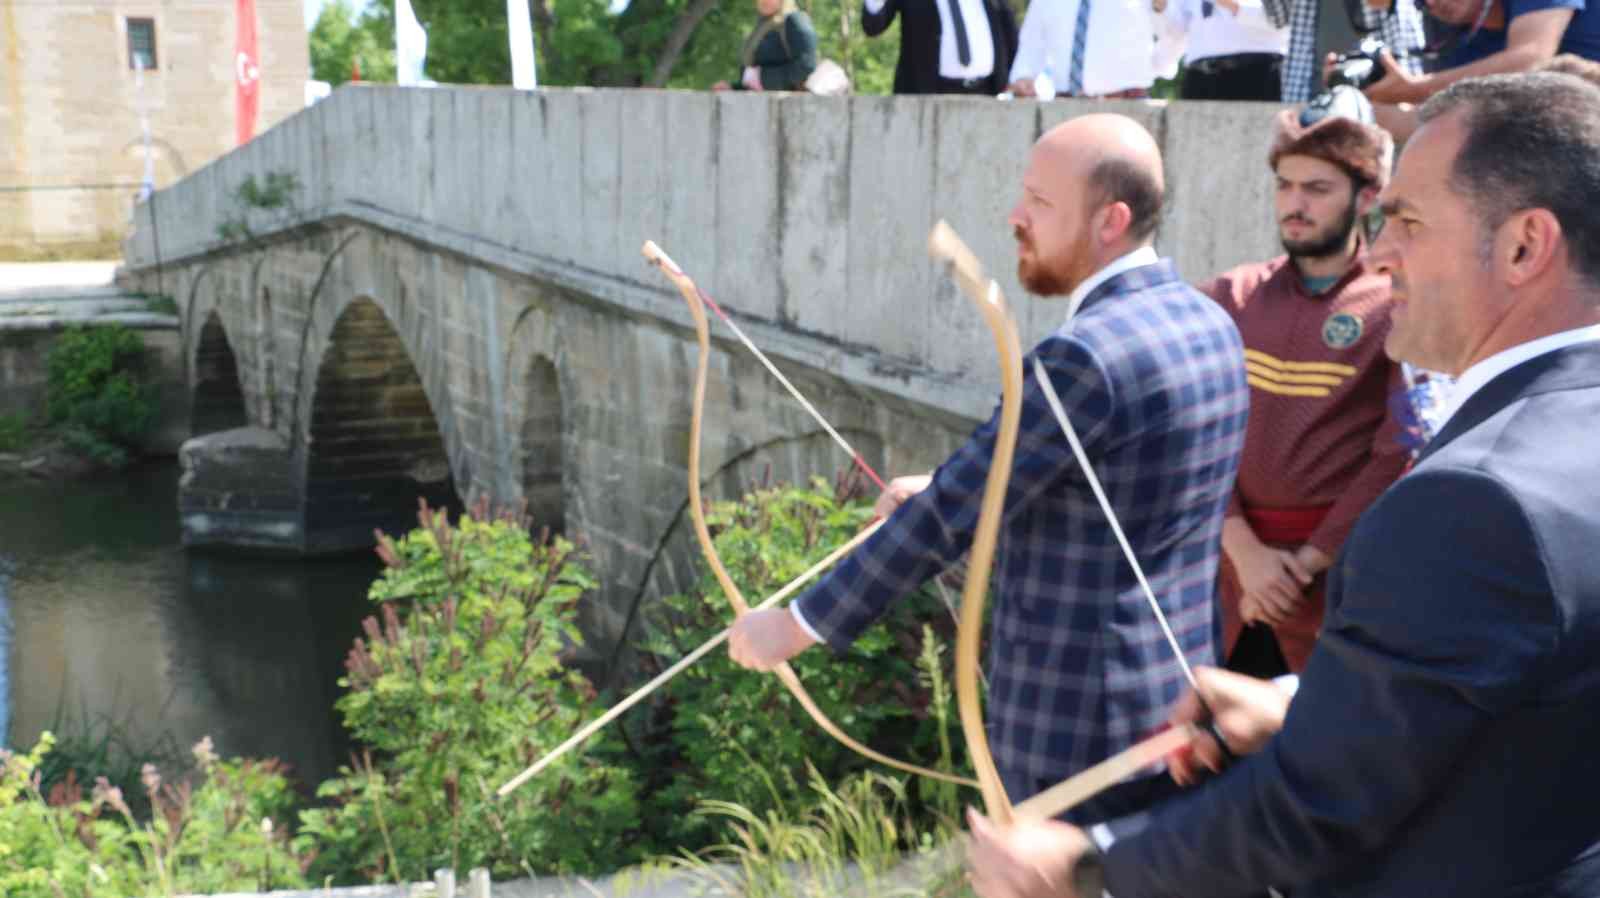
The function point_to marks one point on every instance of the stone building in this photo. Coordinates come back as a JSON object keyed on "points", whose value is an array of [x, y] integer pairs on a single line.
{"points": [[71, 145]]}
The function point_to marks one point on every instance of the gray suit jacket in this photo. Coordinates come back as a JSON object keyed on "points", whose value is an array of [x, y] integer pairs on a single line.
{"points": [[1446, 737]]}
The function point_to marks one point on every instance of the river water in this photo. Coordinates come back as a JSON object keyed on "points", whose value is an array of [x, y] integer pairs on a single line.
{"points": [[112, 631]]}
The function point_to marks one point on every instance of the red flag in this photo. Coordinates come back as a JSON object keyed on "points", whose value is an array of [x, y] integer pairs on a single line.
{"points": [[247, 71], [355, 69]]}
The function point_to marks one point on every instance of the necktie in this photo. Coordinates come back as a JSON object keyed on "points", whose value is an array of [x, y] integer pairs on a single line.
{"points": [[1080, 39], [963, 51], [1206, 8]]}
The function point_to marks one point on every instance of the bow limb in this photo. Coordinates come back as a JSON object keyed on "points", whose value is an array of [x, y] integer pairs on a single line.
{"points": [[985, 294], [702, 531]]}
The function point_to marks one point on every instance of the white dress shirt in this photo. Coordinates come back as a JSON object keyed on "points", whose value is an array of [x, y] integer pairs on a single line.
{"points": [[1120, 52], [1475, 378], [980, 40], [1223, 33], [1144, 255]]}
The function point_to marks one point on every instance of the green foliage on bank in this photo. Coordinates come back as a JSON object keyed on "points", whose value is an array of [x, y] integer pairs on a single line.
{"points": [[738, 736], [458, 683], [222, 831], [463, 676], [97, 394]]}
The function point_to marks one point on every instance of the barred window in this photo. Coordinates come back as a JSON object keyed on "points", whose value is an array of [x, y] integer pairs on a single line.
{"points": [[141, 43]]}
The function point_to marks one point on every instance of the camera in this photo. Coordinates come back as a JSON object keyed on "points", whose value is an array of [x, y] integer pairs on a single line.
{"points": [[1359, 67]]}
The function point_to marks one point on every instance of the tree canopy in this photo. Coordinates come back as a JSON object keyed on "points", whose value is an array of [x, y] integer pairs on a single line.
{"points": [[668, 43]]}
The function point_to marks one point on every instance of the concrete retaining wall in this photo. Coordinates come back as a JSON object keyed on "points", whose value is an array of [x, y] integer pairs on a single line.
{"points": [[805, 213]]}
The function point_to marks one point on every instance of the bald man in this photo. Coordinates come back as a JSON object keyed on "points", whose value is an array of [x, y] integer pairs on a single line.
{"points": [[1151, 373]]}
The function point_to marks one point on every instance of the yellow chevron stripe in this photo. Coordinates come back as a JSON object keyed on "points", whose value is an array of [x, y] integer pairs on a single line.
{"points": [[1280, 377], [1256, 355], [1270, 387]]}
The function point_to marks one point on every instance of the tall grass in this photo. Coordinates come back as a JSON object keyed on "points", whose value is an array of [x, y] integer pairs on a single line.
{"points": [[858, 838]]}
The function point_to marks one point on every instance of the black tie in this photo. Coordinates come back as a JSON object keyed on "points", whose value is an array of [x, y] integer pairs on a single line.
{"points": [[963, 52], [1206, 9]]}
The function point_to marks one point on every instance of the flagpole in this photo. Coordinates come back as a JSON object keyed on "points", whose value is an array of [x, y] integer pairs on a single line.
{"points": [[519, 30]]}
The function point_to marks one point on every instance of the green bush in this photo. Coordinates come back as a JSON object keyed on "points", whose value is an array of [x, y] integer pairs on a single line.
{"points": [[96, 391], [223, 835], [736, 736], [13, 432], [456, 686]]}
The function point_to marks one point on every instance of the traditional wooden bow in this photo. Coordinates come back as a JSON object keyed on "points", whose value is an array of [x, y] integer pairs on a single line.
{"points": [[945, 245], [692, 296]]}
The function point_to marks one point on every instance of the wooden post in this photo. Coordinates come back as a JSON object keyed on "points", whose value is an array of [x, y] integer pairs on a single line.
{"points": [[478, 883], [445, 881]]}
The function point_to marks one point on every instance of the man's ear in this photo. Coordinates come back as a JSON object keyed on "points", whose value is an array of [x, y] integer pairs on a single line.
{"points": [[1527, 245], [1114, 222]]}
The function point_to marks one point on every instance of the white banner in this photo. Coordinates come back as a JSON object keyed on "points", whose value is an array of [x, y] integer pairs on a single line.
{"points": [[524, 70]]}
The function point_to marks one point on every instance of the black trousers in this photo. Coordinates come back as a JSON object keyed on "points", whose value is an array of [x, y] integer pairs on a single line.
{"points": [[1243, 76]]}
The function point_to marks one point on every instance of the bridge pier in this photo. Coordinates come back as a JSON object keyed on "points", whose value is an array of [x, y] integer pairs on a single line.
{"points": [[238, 490]]}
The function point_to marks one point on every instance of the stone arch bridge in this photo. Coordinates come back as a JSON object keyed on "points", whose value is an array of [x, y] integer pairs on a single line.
{"points": [[452, 303]]}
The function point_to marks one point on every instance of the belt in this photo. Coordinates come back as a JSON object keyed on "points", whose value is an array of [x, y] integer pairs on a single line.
{"points": [[965, 83], [1213, 65], [1132, 93], [1285, 525]]}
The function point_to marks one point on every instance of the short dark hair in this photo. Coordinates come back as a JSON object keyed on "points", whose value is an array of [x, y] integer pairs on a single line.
{"points": [[1532, 142], [1117, 180]]}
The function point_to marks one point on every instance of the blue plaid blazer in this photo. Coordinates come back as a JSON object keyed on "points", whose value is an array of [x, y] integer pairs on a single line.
{"points": [[1152, 375]]}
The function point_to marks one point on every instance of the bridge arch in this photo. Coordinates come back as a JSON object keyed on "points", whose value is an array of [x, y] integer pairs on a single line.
{"points": [[217, 396], [374, 441], [539, 455], [216, 352]]}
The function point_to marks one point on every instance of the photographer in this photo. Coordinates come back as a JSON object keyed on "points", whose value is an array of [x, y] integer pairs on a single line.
{"points": [[1401, 120], [1499, 36]]}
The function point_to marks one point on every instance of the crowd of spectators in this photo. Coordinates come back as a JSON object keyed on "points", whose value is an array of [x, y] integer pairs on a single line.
{"points": [[1398, 52]]}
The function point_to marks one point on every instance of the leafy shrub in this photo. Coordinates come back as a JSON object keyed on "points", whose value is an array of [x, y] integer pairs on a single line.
{"points": [[456, 686], [13, 432], [224, 835], [737, 736], [96, 391]]}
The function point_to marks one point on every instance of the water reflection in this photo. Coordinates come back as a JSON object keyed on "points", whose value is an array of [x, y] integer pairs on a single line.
{"points": [[110, 621]]}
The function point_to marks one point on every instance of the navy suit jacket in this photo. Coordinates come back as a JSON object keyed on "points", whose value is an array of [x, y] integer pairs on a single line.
{"points": [[917, 71], [1445, 738], [1151, 374]]}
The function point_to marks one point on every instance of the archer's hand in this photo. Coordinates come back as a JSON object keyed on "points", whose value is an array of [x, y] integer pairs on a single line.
{"points": [[1028, 859], [762, 640], [900, 489], [1246, 710]]}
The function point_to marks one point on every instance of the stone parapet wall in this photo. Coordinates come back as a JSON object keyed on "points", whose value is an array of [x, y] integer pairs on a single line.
{"points": [[805, 214]]}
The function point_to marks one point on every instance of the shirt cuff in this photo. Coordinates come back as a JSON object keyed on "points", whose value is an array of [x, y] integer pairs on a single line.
{"points": [[874, 6], [1289, 683], [794, 611]]}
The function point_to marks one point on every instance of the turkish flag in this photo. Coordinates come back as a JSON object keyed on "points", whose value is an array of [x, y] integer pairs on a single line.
{"points": [[246, 71]]}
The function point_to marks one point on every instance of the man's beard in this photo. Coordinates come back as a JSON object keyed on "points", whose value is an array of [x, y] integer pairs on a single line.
{"points": [[1041, 279], [1331, 242]]}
